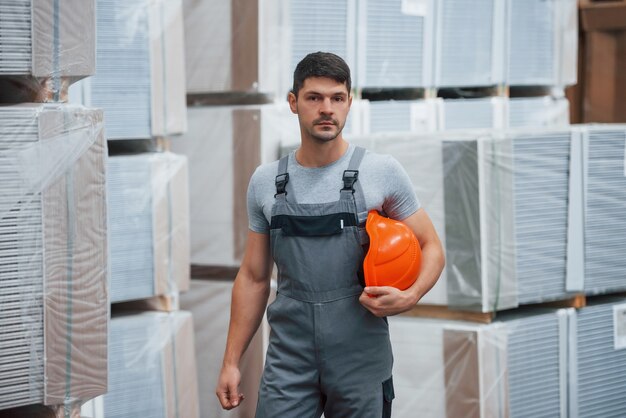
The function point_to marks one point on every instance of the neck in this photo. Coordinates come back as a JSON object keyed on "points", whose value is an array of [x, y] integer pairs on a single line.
{"points": [[319, 154]]}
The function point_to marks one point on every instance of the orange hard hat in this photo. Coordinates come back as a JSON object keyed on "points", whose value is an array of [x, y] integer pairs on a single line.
{"points": [[394, 257]]}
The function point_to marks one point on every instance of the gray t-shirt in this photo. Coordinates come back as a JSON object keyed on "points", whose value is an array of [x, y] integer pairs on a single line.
{"points": [[386, 187]]}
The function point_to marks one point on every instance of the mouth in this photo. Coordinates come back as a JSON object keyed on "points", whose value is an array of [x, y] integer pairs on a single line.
{"points": [[326, 123]]}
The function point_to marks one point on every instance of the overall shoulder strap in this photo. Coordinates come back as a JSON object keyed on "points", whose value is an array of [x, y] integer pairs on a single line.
{"points": [[282, 178], [351, 185]]}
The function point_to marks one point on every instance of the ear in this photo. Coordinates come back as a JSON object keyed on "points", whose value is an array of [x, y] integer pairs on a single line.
{"points": [[292, 99], [349, 101]]}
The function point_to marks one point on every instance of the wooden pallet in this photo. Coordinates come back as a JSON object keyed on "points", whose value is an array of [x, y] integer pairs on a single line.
{"points": [[163, 303], [444, 312]]}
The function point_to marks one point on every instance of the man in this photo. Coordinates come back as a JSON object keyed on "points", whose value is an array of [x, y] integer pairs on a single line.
{"points": [[329, 348]]}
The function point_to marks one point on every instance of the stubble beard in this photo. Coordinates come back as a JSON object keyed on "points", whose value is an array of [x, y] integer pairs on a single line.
{"points": [[326, 136]]}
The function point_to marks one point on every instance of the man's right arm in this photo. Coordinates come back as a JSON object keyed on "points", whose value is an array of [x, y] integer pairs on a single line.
{"points": [[249, 299]]}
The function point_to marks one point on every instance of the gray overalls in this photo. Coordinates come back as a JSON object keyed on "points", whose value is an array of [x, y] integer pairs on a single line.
{"points": [[327, 353]]}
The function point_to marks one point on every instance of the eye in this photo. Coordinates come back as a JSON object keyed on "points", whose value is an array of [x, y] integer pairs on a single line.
{"points": [[314, 98], [339, 98]]}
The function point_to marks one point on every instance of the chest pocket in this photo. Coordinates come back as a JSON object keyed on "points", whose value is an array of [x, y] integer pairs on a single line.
{"points": [[313, 226]]}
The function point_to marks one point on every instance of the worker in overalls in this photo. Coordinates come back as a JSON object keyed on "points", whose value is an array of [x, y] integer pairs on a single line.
{"points": [[329, 349]]}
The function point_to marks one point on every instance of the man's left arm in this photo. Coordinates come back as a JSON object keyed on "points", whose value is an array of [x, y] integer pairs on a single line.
{"points": [[386, 300]]}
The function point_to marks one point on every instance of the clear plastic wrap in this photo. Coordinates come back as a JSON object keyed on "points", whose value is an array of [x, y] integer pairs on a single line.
{"points": [[53, 243], [449, 369], [140, 78], [48, 38], [209, 302], [152, 368], [148, 197], [597, 209]]}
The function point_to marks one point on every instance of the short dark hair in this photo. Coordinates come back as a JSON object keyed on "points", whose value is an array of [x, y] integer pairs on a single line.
{"points": [[321, 64]]}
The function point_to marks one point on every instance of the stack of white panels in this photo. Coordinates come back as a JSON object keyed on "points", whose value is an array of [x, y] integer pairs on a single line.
{"points": [[455, 368], [53, 247], [21, 275], [542, 42], [152, 370], [44, 38], [469, 43], [149, 214], [507, 218], [597, 215], [395, 43], [598, 361], [140, 81], [537, 112], [419, 116], [485, 113], [537, 370], [541, 181], [15, 37], [480, 222]]}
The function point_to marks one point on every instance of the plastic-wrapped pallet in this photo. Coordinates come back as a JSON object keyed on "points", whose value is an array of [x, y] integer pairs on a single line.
{"points": [[224, 145], [597, 219], [506, 210], [148, 197], [140, 82], [209, 303], [469, 42], [48, 38], [537, 112], [152, 368], [484, 113], [53, 243], [542, 42], [499, 203], [395, 44], [448, 369], [598, 360]]}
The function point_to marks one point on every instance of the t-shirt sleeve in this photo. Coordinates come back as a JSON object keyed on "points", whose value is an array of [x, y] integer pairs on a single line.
{"points": [[400, 200], [257, 222]]}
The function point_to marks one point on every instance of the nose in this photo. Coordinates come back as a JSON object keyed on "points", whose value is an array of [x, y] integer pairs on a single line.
{"points": [[326, 106]]}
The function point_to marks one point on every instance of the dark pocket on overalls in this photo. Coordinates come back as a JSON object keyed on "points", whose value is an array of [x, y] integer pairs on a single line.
{"points": [[388, 396]]}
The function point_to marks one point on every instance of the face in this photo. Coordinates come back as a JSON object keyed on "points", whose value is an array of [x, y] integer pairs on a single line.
{"points": [[322, 107]]}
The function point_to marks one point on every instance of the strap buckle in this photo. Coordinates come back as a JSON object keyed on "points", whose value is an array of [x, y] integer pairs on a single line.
{"points": [[281, 183], [349, 178]]}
